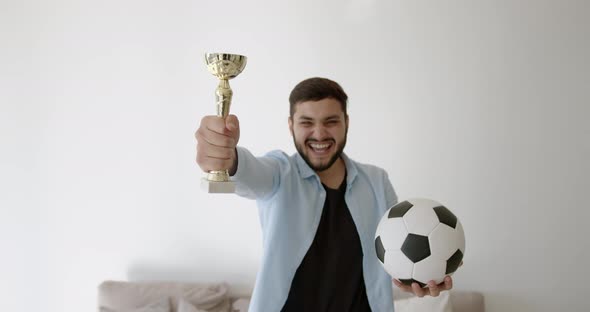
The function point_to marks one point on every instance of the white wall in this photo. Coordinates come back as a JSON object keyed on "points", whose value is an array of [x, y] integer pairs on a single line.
{"points": [[482, 105]]}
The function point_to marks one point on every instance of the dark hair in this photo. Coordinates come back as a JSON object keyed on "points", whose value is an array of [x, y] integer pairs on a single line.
{"points": [[315, 89]]}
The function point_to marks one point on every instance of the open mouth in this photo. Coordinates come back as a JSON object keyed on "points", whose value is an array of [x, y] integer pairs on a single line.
{"points": [[320, 148]]}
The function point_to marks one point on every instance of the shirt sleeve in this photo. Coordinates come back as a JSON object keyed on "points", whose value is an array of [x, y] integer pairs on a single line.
{"points": [[256, 177], [390, 195]]}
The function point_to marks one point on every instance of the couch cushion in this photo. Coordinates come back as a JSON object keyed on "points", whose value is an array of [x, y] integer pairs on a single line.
{"points": [[158, 306], [240, 305], [211, 297], [185, 306]]}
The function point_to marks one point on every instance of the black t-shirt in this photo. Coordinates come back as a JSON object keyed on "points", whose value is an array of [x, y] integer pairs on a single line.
{"points": [[330, 277]]}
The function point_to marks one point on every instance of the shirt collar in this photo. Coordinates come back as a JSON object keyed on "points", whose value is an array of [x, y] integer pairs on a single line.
{"points": [[305, 171]]}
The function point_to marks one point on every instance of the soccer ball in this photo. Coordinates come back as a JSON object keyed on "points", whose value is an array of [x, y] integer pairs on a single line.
{"points": [[419, 240]]}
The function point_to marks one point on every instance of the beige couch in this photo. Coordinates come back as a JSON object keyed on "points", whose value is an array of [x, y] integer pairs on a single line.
{"points": [[115, 296]]}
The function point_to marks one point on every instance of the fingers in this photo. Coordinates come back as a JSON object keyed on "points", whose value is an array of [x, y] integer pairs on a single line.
{"points": [[216, 142], [208, 150], [402, 286], [432, 288], [419, 291], [205, 135], [448, 283], [413, 288], [232, 123], [215, 158], [213, 123], [219, 131]]}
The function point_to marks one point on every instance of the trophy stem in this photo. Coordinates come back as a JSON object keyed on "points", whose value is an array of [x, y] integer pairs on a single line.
{"points": [[218, 181], [223, 66], [223, 95]]}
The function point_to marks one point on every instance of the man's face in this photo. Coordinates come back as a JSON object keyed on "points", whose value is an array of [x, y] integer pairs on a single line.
{"points": [[319, 131]]}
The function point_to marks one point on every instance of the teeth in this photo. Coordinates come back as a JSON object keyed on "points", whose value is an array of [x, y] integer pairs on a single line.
{"points": [[319, 146]]}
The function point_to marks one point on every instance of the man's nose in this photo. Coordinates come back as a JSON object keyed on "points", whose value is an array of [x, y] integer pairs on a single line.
{"points": [[320, 132]]}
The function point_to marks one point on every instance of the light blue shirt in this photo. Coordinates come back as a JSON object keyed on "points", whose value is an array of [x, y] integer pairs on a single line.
{"points": [[290, 200]]}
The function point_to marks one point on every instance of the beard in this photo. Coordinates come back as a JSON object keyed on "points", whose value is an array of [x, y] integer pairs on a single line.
{"points": [[321, 166]]}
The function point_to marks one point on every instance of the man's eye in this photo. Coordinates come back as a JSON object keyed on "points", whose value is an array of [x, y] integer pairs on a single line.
{"points": [[305, 123]]}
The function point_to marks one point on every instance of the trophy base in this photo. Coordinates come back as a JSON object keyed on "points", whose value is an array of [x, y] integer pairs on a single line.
{"points": [[213, 187]]}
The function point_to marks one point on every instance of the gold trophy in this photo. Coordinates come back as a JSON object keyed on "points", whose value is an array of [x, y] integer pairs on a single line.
{"points": [[225, 67]]}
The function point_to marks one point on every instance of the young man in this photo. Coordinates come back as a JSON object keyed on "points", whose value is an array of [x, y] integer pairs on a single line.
{"points": [[319, 209]]}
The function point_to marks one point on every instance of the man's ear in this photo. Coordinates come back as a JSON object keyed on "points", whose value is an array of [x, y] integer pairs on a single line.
{"points": [[291, 124]]}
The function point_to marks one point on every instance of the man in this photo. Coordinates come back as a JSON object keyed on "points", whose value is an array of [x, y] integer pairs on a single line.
{"points": [[318, 208]]}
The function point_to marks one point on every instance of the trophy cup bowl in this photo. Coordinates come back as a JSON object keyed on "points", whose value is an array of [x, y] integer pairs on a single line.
{"points": [[224, 66]]}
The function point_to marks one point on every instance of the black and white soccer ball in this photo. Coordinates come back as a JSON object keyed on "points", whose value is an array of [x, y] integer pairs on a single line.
{"points": [[419, 240]]}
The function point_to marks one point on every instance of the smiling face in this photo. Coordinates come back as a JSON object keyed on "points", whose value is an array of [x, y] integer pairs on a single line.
{"points": [[319, 130]]}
